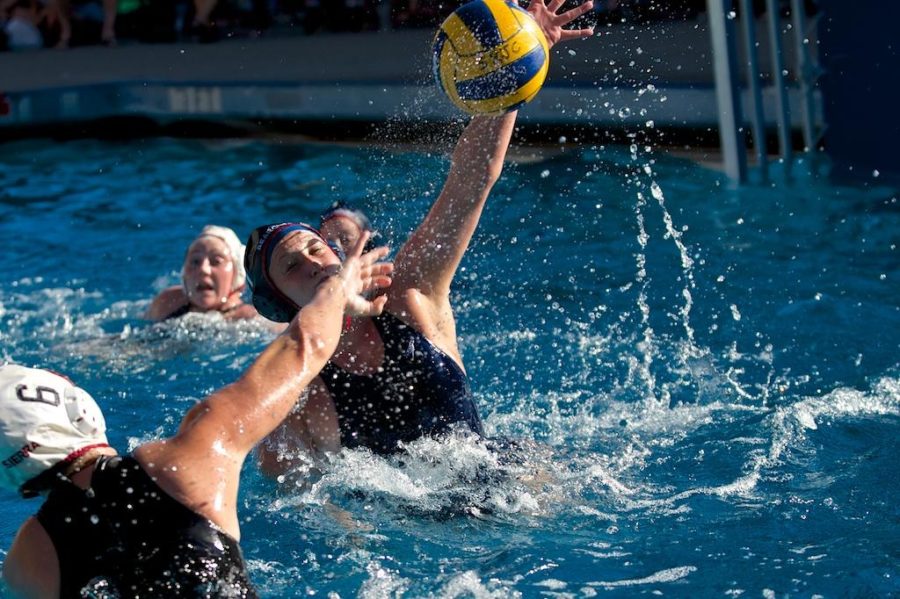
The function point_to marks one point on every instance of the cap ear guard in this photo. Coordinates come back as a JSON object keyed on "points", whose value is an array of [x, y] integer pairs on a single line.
{"points": [[274, 310], [84, 413]]}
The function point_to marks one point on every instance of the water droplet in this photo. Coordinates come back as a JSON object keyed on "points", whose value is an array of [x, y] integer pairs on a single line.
{"points": [[875, 173], [545, 173], [94, 519]]}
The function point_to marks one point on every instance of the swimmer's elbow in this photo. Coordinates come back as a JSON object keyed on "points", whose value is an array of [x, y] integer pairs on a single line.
{"points": [[494, 170], [315, 347], [192, 415]]}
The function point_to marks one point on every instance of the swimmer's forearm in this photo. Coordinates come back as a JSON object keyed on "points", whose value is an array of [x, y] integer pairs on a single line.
{"points": [[434, 251], [479, 154], [243, 413]]}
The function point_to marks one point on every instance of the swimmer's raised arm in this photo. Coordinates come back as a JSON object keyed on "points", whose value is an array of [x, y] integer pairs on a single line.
{"points": [[429, 259]]}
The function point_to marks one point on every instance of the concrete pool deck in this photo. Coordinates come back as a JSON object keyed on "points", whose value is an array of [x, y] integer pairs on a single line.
{"points": [[627, 78]]}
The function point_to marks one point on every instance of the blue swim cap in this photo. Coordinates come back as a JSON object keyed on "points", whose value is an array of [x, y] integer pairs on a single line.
{"points": [[267, 298]]}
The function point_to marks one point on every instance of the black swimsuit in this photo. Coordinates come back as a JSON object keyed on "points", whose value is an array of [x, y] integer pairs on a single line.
{"points": [[125, 537], [179, 312], [419, 390], [185, 308]]}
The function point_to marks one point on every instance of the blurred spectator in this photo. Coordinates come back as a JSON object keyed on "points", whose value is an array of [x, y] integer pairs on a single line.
{"points": [[84, 15], [422, 13], [146, 20], [351, 15], [609, 12], [20, 27], [202, 28]]}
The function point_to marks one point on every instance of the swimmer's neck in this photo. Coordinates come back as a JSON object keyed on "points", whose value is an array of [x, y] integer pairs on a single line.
{"points": [[231, 303], [81, 471]]}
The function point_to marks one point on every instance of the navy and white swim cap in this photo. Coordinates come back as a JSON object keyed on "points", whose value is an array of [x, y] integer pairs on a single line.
{"points": [[267, 298], [341, 208]]}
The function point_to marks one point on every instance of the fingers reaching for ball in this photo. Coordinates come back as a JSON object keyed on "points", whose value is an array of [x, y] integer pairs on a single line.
{"points": [[552, 23]]}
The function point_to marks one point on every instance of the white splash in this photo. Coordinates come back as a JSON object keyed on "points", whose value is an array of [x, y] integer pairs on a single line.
{"points": [[669, 575]]}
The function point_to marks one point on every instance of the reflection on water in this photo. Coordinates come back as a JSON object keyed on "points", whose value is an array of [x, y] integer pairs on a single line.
{"points": [[688, 389]]}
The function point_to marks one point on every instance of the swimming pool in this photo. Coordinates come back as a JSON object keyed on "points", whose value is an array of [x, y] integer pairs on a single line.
{"points": [[703, 382]]}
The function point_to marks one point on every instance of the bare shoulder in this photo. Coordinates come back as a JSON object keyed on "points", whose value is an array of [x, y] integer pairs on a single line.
{"points": [[31, 568], [167, 301], [432, 316]]}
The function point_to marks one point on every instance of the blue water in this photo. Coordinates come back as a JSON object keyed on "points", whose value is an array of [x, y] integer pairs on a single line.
{"points": [[703, 381]]}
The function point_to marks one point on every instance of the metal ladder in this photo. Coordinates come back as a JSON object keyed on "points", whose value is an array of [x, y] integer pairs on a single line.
{"points": [[728, 88]]}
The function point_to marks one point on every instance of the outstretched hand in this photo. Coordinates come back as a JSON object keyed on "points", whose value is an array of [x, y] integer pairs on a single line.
{"points": [[362, 273], [552, 23]]}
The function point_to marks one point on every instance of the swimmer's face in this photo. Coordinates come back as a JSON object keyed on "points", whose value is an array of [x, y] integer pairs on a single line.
{"points": [[300, 263], [341, 231], [208, 273]]}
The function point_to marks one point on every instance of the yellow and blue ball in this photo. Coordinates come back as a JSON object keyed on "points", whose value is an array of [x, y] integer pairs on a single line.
{"points": [[490, 57]]}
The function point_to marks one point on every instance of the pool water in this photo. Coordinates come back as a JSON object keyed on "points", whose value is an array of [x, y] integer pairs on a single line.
{"points": [[701, 382]]}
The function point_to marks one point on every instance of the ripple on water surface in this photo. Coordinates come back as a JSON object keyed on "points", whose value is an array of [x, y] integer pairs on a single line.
{"points": [[689, 389]]}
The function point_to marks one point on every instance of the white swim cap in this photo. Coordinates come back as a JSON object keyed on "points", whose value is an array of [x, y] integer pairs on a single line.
{"points": [[235, 248], [45, 420]]}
